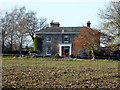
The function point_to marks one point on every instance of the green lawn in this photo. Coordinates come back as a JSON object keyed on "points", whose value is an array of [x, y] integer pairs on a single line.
{"points": [[59, 73]]}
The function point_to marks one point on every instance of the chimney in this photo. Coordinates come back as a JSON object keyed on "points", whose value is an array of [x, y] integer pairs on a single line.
{"points": [[88, 24], [54, 24]]}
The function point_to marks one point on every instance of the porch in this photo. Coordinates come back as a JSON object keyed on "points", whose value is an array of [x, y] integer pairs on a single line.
{"points": [[65, 49]]}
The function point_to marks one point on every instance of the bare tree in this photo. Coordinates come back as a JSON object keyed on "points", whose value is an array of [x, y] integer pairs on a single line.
{"points": [[17, 25], [20, 27], [34, 24], [13, 28], [5, 30], [110, 17]]}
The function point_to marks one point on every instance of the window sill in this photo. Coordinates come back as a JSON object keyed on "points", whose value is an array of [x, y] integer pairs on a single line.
{"points": [[48, 54], [66, 41], [48, 41]]}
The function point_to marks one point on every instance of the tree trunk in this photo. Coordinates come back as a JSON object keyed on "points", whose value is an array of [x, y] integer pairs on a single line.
{"points": [[93, 54], [2, 45], [2, 36], [88, 53], [20, 51], [11, 45], [32, 38]]}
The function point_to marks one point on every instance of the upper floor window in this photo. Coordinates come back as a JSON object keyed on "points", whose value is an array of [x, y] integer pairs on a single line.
{"points": [[66, 39], [48, 39]]}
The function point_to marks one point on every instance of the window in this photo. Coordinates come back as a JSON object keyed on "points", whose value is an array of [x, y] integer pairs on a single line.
{"points": [[48, 39], [48, 51], [66, 39]]}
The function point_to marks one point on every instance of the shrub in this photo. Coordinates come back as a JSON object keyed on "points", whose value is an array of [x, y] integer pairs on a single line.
{"points": [[38, 41], [72, 56], [30, 49], [56, 55]]}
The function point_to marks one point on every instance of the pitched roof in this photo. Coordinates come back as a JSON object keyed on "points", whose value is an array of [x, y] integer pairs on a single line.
{"points": [[60, 29]]}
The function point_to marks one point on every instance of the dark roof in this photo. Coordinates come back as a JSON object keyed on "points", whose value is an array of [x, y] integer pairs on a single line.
{"points": [[60, 29]]}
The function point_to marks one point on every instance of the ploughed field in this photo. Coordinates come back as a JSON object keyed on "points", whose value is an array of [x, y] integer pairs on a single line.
{"points": [[60, 74]]}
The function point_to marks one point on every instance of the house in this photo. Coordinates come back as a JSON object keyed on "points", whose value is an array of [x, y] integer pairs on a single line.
{"points": [[114, 49], [59, 40]]}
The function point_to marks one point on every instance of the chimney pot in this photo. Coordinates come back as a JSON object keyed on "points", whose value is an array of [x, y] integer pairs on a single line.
{"points": [[88, 24]]}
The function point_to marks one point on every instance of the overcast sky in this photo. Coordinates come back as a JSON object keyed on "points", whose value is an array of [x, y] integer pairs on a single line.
{"points": [[67, 12]]}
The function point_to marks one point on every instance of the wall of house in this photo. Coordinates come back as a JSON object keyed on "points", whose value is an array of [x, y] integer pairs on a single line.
{"points": [[56, 39]]}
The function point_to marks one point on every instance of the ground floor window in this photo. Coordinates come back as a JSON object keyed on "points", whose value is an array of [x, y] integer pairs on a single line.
{"points": [[48, 51]]}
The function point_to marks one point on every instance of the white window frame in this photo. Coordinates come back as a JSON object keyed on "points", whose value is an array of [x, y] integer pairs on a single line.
{"points": [[48, 39], [67, 38]]}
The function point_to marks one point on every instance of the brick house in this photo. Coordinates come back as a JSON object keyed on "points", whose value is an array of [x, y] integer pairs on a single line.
{"points": [[59, 40]]}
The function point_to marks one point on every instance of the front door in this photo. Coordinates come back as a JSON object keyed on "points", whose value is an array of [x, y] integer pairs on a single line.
{"points": [[65, 51]]}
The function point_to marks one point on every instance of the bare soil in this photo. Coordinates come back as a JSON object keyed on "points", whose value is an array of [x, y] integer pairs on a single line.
{"points": [[60, 74]]}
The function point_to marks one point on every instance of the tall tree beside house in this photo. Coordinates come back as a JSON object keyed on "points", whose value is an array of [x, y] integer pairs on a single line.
{"points": [[13, 28], [17, 25], [20, 28], [34, 24], [38, 42], [87, 39], [110, 20], [3, 33], [7, 29]]}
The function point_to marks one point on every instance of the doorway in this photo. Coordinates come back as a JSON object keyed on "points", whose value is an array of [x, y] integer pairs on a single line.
{"points": [[65, 51]]}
